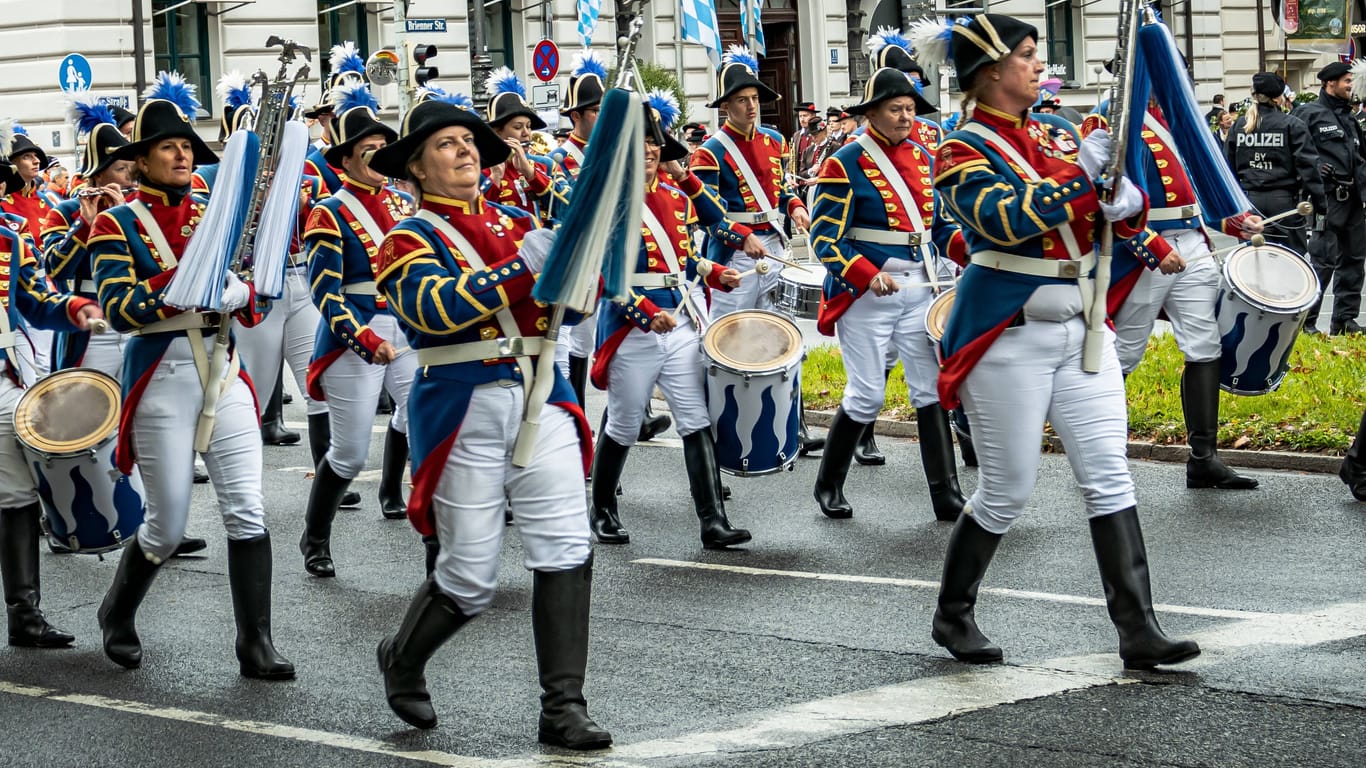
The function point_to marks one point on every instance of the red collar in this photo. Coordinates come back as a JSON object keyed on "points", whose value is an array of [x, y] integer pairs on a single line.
{"points": [[998, 119], [450, 207]]}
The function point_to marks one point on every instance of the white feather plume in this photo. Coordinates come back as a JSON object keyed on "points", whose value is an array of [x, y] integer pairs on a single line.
{"points": [[1358, 70], [932, 39]]}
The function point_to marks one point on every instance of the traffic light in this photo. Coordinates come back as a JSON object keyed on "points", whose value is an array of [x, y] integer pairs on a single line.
{"points": [[418, 70]]}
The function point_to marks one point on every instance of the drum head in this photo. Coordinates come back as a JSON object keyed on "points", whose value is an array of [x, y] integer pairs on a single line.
{"points": [[753, 341], [1271, 277], [72, 410], [937, 316], [813, 276]]}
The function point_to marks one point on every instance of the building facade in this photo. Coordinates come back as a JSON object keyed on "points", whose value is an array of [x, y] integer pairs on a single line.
{"points": [[815, 47]]}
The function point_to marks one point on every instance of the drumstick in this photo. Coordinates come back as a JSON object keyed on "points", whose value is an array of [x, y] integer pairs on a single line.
{"points": [[790, 263], [703, 269], [1305, 208], [99, 325], [760, 268], [1257, 241]]}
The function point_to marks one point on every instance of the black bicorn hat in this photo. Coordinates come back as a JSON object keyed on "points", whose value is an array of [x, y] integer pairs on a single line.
{"points": [[889, 83], [101, 148], [439, 110], [23, 145], [234, 92], [508, 99], [587, 83], [9, 175], [346, 66], [661, 112], [355, 108], [887, 47], [740, 70], [122, 116], [970, 42], [167, 113]]}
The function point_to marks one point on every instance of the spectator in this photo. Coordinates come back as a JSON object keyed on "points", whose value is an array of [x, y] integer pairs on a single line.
{"points": [[1338, 249], [1275, 162], [1212, 116], [802, 139], [1225, 126]]}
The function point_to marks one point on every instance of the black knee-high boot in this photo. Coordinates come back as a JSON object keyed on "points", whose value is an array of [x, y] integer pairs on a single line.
{"points": [[431, 548], [805, 442], [559, 622], [840, 439], [578, 377], [431, 620], [608, 461], [936, 453], [651, 424], [391, 478], [19, 571], [866, 452], [1123, 561], [249, 569], [316, 541], [965, 563], [273, 430], [319, 439], [118, 612], [704, 479], [1353, 469], [963, 430], [1200, 401]]}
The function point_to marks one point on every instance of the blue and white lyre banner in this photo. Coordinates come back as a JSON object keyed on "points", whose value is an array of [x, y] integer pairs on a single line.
{"points": [[752, 27], [588, 19], [697, 22]]}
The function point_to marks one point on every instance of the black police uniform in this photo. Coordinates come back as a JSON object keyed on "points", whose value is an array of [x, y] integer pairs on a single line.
{"points": [[1341, 247], [1277, 166]]}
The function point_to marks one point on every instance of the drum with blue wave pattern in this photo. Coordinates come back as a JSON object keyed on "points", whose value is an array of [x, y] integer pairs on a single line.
{"points": [[754, 362], [1264, 296], [67, 425]]}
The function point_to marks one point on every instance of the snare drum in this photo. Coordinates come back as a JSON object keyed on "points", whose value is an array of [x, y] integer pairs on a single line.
{"points": [[67, 425], [1264, 296], [754, 362], [799, 249], [800, 291], [937, 319]]}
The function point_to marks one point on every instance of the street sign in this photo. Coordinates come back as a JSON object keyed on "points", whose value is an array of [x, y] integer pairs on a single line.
{"points": [[545, 60], [120, 100], [545, 96], [426, 25], [74, 73]]}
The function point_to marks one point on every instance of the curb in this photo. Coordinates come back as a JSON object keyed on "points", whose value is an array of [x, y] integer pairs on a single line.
{"points": [[1280, 460]]}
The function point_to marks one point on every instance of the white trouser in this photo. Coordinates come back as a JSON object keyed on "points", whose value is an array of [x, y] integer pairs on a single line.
{"points": [[163, 442], [16, 484], [1032, 373], [286, 334], [547, 498], [581, 337], [352, 387], [104, 353], [755, 291], [42, 350], [1188, 298], [871, 327], [673, 361]]}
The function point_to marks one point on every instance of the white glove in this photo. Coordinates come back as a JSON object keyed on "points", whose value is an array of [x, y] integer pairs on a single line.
{"points": [[236, 294], [536, 248], [1094, 153], [1128, 202]]}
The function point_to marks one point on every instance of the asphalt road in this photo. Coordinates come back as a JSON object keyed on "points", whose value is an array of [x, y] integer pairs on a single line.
{"points": [[810, 647]]}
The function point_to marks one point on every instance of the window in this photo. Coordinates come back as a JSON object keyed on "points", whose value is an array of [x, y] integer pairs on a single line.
{"points": [[1061, 41], [498, 28], [338, 26], [180, 40]]}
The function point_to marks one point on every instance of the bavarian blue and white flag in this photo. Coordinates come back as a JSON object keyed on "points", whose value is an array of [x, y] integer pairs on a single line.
{"points": [[697, 19], [588, 19], [751, 27]]}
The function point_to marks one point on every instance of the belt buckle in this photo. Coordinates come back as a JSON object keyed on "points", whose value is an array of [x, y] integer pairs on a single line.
{"points": [[1187, 211], [1069, 269], [671, 281], [513, 347], [914, 240]]}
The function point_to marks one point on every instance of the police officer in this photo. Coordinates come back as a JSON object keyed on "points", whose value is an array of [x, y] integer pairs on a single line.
{"points": [[1342, 163], [1275, 161]]}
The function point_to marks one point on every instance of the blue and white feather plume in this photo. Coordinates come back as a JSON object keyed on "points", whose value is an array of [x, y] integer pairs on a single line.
{"points": [[932, 41], [171, 86], [350, 95], [888, 36], [666, 104], [742, 55], [346, 58], [87, 112], [233, 90], [588, 62], [504, 80]]}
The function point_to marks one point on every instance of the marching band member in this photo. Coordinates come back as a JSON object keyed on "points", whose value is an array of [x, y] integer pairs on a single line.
{"points": [[525, 181], [135, 248], [581, 107], [459, 276], [347, 66], [25, 295], [1274, 159], [23, 196], [756, 198], [642, 345], [1183, 284], [357, 355], [877, 233], [66, 233], [1024, 194]]}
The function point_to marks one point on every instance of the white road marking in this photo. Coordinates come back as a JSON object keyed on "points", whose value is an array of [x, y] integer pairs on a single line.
{"points": [[308, 735], [302, 426], [1024, 594]]}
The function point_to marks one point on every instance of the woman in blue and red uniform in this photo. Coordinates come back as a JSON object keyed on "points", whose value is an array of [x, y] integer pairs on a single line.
{"points": [[1026, 196], [356, 353], [523, 181], [135, 248], [459, 275], [881, 242], [642, 345]]}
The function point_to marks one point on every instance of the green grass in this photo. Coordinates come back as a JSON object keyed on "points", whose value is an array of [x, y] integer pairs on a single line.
{"points": [[1316, 409]]}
